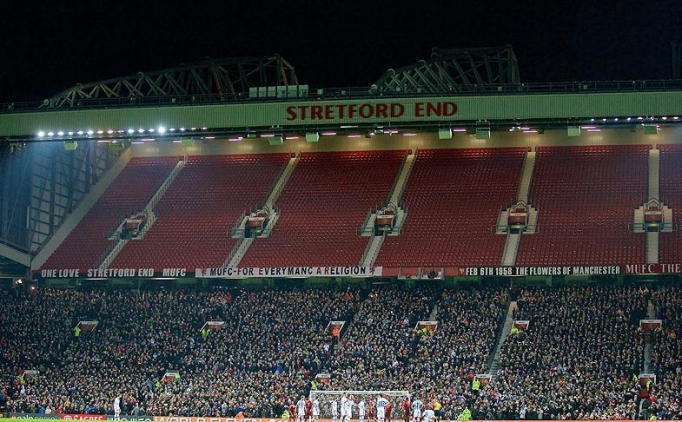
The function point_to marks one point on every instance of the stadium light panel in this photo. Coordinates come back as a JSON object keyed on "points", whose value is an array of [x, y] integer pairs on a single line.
{"points": [[41, 134], [80, 132], [90, 132], [60, 133], [131, 131], [161, 130], [50, 133]]}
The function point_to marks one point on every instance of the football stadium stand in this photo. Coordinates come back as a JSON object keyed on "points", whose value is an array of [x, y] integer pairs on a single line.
{"points": [[585, 196]]}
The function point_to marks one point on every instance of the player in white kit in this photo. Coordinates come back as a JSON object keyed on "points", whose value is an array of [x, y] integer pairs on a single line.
{"points": [[316, 410], [381, 404], [361, 410], [117, 408], [335, 410], [343, 401], [349, 405], [300, 409], [417, 406]]}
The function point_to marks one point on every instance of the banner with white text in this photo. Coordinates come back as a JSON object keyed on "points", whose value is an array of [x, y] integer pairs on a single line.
{"points": [[267, 272]]}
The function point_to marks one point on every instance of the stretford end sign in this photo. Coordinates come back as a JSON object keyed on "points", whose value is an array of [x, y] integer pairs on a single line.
{"points": [[367, 111]]}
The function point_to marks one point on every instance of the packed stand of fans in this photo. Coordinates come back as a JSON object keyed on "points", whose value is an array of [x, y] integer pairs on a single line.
{"points": [[258, 360], [576, 360], [447, 360], [377, 346], [665, 396]]}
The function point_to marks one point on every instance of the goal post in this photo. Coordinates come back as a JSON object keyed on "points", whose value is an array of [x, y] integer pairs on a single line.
{"points": [[325, 397]]}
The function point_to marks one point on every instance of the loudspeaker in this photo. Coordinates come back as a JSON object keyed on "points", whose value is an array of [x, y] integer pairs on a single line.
{"points": [[312, 136], [70, 145], [445, 133], [482, 133], [573, 131], [276, 140], [650, 129]]}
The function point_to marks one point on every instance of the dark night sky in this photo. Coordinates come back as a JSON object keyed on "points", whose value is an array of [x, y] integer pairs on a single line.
{"points": [[49, 45]]}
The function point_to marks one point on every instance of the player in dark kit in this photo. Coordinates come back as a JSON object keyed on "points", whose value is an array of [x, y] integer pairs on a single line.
{"points": [[371, 414], [407, 406], [308, 410], [389, 410], [292, 411]]}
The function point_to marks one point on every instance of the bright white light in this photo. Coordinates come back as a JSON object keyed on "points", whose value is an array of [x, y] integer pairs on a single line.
{"points": [[100, 132], [291, 137], [629, 118], [182, 129], [409, 134], [140, 130], [193, 128], [355, 135], [70, 133], [41, 134], [161, 129], [348, 126], [80, 132], [604, 119], [172, 129], [50, 133], [204, 128], [151, 130], [60, 133], [664, 117], [459, 129], [110, 131], [237, 139], [131, 131], [592, 119], [90, 132], [268, 135], [328, 133], [676, 118]]}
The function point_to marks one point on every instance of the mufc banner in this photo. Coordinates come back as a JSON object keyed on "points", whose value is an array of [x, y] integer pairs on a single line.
{"points": [[259, 272]]}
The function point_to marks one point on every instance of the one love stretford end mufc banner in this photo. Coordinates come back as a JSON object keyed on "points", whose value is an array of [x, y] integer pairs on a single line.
{"points": [[308, 272]]}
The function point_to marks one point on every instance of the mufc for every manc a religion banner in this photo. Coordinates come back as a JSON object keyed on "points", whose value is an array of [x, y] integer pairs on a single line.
{"points": [[248, 272]]}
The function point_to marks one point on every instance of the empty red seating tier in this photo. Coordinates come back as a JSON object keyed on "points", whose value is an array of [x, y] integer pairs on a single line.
{"points": [[453, 199], [129, 193], [196, 214], [586, 196], [323, 206], [671, 195]]}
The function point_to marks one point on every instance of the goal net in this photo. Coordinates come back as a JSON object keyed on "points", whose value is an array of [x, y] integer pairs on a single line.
{"points": [[325, 397]]}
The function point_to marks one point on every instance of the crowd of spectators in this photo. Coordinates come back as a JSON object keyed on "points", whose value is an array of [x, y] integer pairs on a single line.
{"points": [[665, 397], [576, 359]]}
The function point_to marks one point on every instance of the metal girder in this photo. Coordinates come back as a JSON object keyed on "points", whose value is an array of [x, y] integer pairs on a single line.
{"points": [[209, 80], [454, 70]]}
